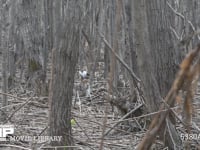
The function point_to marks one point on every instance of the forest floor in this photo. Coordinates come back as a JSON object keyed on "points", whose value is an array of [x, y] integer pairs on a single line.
{"points": [[90, 116], [29, 115]]}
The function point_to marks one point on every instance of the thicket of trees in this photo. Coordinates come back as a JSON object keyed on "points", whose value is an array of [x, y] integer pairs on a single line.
{"points": [[140, 41]]}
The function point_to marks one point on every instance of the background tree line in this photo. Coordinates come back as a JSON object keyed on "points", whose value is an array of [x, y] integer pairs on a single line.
{"points": [[150, 37]]}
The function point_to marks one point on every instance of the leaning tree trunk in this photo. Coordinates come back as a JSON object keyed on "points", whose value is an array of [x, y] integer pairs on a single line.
{"points": [[65, 56]]}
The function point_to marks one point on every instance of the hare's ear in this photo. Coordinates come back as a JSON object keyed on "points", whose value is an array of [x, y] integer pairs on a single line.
{"points": [[80, 73]]}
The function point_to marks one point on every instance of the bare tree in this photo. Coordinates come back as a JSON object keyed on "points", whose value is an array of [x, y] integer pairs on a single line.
{"points": [[156, 57], [4, 49], [144, 54], [65, 56]]}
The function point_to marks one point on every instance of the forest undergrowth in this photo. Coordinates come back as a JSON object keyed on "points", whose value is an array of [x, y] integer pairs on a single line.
{"points": [[28, 112]]}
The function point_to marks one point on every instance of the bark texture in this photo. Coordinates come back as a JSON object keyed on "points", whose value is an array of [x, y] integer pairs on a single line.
{"points": [[65, 56]]}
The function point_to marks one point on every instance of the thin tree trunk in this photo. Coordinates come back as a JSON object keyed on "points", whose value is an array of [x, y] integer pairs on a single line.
{"points": [[4, 50]]}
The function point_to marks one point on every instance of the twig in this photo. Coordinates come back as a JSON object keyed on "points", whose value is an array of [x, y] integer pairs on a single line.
{"points": [[15, 146], [133, 75], [195, 126], [26, 102], [120, 120], [175, 33], [105, 115], [82, 129], [146, 115], [11, 96], [43, 130], [177, 13], [79, 142], [196, 32], [86, 37]]}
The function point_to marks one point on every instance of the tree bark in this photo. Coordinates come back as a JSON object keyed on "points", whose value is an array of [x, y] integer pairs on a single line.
{"points": [[65, 57], [165, 57], [144, 55], [4, 28]]}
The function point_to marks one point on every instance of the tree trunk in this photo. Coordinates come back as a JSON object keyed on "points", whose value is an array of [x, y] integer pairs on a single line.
{"points": [[165, 57], [164, 54], [65, 57], [144, 55], [156, 57], [4, 49]]}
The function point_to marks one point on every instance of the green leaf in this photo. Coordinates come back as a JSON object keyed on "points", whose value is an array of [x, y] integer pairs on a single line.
{"points": [[73, 122]]}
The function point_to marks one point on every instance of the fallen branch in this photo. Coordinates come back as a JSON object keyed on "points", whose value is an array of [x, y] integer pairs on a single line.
{"points": [[11, 96], [120, 120], [26, 102]]}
